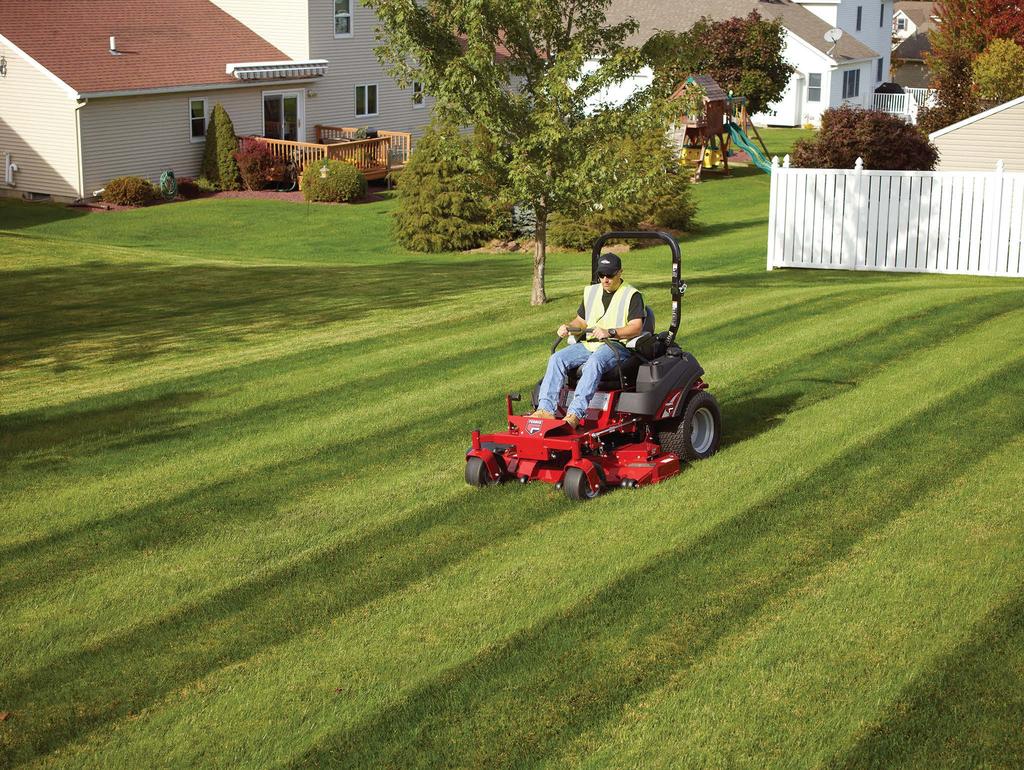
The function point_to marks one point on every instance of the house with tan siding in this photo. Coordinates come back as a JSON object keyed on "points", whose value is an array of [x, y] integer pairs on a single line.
{"points": [[94, 89], [977, 143]]}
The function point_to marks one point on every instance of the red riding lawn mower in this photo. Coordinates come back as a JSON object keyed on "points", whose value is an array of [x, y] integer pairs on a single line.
{"points": [[650, 413]]}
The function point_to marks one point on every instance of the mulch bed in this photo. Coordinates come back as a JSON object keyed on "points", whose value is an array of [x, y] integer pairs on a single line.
{"points": [[372, 196]]}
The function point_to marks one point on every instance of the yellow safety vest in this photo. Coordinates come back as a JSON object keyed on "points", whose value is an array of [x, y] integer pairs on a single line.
{"points": [[612, 318]]}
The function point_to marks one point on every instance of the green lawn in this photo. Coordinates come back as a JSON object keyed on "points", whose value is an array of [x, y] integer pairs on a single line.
{"points": [[235, 530]]}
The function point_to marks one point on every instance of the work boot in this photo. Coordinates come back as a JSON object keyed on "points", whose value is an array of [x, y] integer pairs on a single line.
{"points": [[572, 421], [542, 414]]}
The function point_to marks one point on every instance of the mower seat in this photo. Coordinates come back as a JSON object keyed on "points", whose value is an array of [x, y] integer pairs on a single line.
{"points": [[630, 362]]}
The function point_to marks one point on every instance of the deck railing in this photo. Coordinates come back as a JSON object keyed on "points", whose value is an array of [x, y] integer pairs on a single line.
{"points": [[401, 141], [373, 157]]}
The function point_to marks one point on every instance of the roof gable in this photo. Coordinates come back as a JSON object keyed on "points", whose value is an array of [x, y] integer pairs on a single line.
{"points": [[663, 15], [160, 46]]}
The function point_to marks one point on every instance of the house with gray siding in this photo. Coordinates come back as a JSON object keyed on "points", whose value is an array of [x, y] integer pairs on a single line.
{"points": [[95, 89]]}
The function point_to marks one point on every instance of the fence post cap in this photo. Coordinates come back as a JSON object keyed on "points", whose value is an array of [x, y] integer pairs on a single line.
{"points": [[775, 161], [785, 162], [859, 165], [1000, 166]]}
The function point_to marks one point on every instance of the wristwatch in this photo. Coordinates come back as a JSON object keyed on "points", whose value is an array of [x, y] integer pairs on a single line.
{"points": [[612, 333]]}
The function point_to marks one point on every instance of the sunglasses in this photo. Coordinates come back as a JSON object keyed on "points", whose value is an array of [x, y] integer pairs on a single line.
{"points": [[605, 275]]}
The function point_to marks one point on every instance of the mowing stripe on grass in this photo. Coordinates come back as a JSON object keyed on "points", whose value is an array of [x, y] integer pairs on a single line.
{"points": [[443, 623]]}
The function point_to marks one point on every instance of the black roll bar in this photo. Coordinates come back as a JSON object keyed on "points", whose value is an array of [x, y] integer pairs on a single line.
{"points": [[678, 287]]}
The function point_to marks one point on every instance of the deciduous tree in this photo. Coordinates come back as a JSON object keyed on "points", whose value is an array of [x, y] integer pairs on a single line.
{"points": [[516, 70], [743, 55], [999, 71]]}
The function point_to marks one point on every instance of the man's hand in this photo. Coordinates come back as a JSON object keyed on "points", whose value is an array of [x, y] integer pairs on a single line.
{"points": [[563, 331], [601, 334]]}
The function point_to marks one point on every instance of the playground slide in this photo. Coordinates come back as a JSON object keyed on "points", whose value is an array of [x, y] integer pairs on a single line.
{"points": [[741, 140]]}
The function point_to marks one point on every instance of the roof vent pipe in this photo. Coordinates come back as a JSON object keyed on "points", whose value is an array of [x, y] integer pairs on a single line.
{"points": [[113, 46]]}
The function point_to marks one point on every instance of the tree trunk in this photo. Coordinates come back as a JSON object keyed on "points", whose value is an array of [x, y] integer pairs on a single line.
{"points": [[537, 295]]}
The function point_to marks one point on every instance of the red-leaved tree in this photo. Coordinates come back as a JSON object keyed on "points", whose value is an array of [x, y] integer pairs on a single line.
{"points": [[1003, 19], [966, 27]]}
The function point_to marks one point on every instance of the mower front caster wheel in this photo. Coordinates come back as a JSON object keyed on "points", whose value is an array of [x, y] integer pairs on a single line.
{"points": [[477, 474], [577, 487], [696, 434]]}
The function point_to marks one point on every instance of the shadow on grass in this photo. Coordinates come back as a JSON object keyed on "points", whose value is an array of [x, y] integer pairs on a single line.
{"points": [[969, 706], [159, 418], [55, 704], [64, 314], [17, 215], [530, 699], [86, 689]]}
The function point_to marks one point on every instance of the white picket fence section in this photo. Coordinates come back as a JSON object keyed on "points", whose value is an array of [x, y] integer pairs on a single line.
{"points": [[969, 223]]}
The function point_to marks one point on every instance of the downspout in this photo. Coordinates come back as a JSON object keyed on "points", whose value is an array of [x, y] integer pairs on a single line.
{"points": [[78, 145]]}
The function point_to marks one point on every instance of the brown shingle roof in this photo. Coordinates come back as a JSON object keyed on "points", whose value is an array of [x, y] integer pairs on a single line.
{"points": [[918, 12], [165, 45], [679, 15]]}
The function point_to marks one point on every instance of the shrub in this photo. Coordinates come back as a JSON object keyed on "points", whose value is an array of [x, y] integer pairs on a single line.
{"points": [[672, 206], [256, 163], [219, 165], [999, 72], [205, 185], [442, 200], [665, 202], [188, 188], [129, 191], [342, 183], [884, 141]]}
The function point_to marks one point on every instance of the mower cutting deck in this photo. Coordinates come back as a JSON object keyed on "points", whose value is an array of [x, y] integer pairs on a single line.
{"points": [[651, 412]]}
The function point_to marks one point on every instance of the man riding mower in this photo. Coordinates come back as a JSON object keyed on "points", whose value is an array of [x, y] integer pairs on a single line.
{"points": [[620, 406]]}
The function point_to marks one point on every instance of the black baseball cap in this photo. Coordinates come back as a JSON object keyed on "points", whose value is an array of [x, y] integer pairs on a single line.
{"points": [[609, 264]]}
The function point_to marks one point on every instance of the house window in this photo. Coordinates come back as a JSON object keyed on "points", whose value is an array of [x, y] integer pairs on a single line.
{"points": [[343, 18], [197, 119], [366, 100], [851, 83], [860, 17], [417, 94], [814, 87], [901, 23], [881, 64]]}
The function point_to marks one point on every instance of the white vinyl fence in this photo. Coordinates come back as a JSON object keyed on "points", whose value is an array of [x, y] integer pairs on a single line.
{"points": [[909, 221], [907, 104]]}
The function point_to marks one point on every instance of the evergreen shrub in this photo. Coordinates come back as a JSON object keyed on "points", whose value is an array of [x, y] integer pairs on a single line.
{"points": [[129, 191], [219, 165], [443, 204], [342, 183], [665, 203], [885, 142]]}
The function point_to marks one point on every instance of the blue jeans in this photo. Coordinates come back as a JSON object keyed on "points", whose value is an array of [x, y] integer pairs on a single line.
{"points": [[567, 359]]}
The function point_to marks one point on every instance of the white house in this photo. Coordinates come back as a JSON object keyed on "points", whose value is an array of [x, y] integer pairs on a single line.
{"points": [[94, 89], [911, 17], [827, 74]]}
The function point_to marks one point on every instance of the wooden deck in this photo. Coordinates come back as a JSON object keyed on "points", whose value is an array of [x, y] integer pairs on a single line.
{"points": [[375, 158]]}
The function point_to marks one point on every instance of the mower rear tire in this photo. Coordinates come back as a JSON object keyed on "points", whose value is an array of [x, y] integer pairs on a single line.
{"points": [[577, 487], [477, 474], [697, 433]]}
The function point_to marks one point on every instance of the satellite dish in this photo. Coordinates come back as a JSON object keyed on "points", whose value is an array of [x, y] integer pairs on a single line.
{"points": [[832, 37]]}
